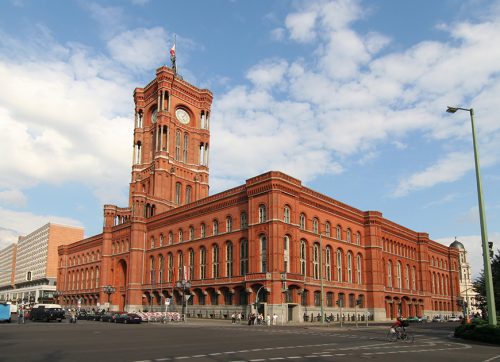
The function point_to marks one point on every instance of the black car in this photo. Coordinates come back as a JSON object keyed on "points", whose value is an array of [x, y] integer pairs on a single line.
{"points": [[128, 318], [108, 317], [47, 313]]}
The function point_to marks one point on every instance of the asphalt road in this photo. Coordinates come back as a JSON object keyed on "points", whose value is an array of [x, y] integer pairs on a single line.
{"points": [[208, 340]]}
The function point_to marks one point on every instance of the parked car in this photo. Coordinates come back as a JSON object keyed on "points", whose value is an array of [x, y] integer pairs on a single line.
{"points": [[128, 318], [454, 318], [438, 319], [414, 319], [108, 317], [47, 313]]}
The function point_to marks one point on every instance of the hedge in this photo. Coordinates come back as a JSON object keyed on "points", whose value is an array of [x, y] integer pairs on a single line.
{"points": [[479, 331]]}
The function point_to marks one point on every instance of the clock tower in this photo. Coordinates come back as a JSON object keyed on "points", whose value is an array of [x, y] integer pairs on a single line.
{"points": [[171, 144]]}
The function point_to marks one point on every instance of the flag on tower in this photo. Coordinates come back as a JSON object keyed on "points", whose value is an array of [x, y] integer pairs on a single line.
{"points": [[172, 51]]}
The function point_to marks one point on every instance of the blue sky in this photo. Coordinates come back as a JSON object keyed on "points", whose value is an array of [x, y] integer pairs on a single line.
{"points": [[347, 96]]}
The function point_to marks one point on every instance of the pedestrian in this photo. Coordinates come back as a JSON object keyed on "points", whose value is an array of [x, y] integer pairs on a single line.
{"points": [[20, 315], [239, 318], [275, 319], [233, 318], [268, 320]]}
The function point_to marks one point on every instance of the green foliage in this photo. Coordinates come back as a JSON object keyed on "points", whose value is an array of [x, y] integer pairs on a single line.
{"points": [[479, 332], [480, 286]]}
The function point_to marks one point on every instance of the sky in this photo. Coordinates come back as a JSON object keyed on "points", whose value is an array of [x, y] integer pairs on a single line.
{"points": [[347, 96]]}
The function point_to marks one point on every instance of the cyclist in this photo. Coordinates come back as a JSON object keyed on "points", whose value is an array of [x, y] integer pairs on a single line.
{"points": [[397, 327]]}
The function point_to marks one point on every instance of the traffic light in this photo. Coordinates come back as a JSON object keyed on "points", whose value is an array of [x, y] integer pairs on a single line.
{"points": [[490, 247]]}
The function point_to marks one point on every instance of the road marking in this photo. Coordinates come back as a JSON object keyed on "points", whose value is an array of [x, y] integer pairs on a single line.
{"points": [[491, 359]]}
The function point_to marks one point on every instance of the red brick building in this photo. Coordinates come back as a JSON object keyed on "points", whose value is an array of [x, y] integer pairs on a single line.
{"points": [[271, 239]]}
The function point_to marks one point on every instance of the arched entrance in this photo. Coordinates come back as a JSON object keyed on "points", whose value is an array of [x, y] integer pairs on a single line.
{"points": [[120, 297]]}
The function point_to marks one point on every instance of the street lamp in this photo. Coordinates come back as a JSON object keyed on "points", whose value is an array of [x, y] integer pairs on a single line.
{"points": [[488, 280], [184, 285], [109, 289]]}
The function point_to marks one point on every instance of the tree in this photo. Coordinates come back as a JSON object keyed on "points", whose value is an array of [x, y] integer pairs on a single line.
{"points": [[480, 287]]}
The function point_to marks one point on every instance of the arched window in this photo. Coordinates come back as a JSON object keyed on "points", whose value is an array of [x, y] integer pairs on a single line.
{"points": [[286, 253], [203, 231], [180, 265], [191, 264], [398, 274], [229, 224], [185, 149], [152, 242], [349, 267], [243, 220], [162, 240], [407, 277], [178, 193], [303, 256], [263, 254], [97, 277], [358, 269], [229, 259], [348, 235], [188, 194], [161, 266], [316, 261], [177, 145], [315, 226], [302, 222], [358, 238], [389, 274], [170, 238], [339, 265], [215, 261], [203, 263], [181, 236], [286, 215], [262, 213], [339, 232], [328, 229], [328, 263], [170, 267], [413, 279], [152, 270], [215, 227], [243, 257], [191, 233]]}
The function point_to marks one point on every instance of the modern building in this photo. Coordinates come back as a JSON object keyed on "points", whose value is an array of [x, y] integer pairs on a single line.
{"points": [[271, 243], [29, 268], [468, 295]]}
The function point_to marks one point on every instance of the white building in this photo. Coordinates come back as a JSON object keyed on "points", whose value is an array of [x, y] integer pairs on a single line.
{"points": [[28, 270]]}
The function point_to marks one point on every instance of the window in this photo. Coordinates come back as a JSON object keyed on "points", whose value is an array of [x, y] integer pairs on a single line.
{"points": [[413, 279], [315, 226], [302, 222], [162, 239], [229, 224], [191, 233], [327, 229], [348, 235], [316, 261], [181, 236], [243, 257], [178, 193], [286, 254], [317, 298], [339, 265], [303, 255], [185, 150], [215, 227], [358, 269], [243, 220], [407, 277], [358, 238], [215, 261], [329, 299], [349, 267], [180, 265], [170, 267], [263, 254], [262, 213], [389, 274], [161, 265], [191, 264], [202, 230], [188, 194], [339, 232], [328, 263], [229, 259], [203, 263], [286, 215], [398, 274], [177, 145]]}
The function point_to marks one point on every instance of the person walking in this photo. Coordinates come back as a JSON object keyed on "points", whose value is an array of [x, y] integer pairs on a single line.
{"points": [[233, 318], [20, 315], [275, 319]]}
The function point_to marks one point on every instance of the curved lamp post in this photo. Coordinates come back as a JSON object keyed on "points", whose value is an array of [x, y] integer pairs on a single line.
{"points": [[488, 280]]}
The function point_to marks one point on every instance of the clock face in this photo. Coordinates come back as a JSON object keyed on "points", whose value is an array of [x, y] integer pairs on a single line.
{"points": [[182, 116]]}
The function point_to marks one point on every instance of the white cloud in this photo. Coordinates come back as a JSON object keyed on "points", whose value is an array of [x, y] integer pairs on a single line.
{"points": [[448, 169], [14, 198], [301, 26], [140, 48], [268, 74]]}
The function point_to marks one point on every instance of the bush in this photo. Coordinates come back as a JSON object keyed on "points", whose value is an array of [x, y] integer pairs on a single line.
{"points": [[479, 332]]}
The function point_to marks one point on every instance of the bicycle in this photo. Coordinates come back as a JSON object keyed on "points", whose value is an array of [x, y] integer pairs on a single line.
{"points": [[393, 335]]}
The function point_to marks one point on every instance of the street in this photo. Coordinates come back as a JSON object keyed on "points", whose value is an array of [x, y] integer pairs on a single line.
{"points": [[219, 340]]}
